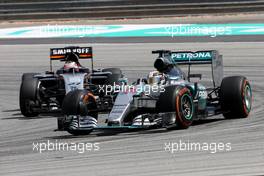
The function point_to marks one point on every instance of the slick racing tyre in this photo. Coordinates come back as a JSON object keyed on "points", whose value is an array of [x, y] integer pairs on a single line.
{"points": [[60, 123], [79, 132], [179, 100], [79, 103], [114, 77], [28, 94], [235, 97]]}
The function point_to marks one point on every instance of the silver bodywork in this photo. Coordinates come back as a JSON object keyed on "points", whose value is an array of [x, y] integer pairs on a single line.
{"points": [[127, 102], [73, 81]]}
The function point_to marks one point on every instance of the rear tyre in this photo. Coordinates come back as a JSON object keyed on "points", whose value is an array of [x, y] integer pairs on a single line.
{"points": [[177, 99], [235, 97], [114, 77], [79, 102], [28, 94]]}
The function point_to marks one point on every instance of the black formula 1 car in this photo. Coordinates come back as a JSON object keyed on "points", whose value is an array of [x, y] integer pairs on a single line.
{"points": [[43, 93], [166, 98]]}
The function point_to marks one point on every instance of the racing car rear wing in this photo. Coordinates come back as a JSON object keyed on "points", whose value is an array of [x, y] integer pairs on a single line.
{"points": [[202, 57], [61, 53], [189, 58]]}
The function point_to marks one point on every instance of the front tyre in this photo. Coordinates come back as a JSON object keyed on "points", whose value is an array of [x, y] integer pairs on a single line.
{"points": [[79, 132], [179, 100], [235, 97], [79, 103], [28, 94]]}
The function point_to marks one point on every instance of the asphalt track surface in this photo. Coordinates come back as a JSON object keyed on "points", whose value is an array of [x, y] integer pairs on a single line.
{"points": [[138, 153]]}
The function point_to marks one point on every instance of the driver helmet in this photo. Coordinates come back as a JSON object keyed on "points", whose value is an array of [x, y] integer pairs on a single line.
{"points": [[73, 57], [155, 77], [70, 64]]}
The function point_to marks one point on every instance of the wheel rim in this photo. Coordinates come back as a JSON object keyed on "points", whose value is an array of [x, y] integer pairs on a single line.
{"points": [[247, 97], [186, 106]]}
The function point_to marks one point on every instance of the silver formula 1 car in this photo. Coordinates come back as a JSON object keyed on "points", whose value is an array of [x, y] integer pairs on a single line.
{"points": [[44, 93], [166, 98]]}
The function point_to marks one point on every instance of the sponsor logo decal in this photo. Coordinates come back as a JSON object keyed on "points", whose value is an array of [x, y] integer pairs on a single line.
{"points": [[184, 56], [62, 51]]}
